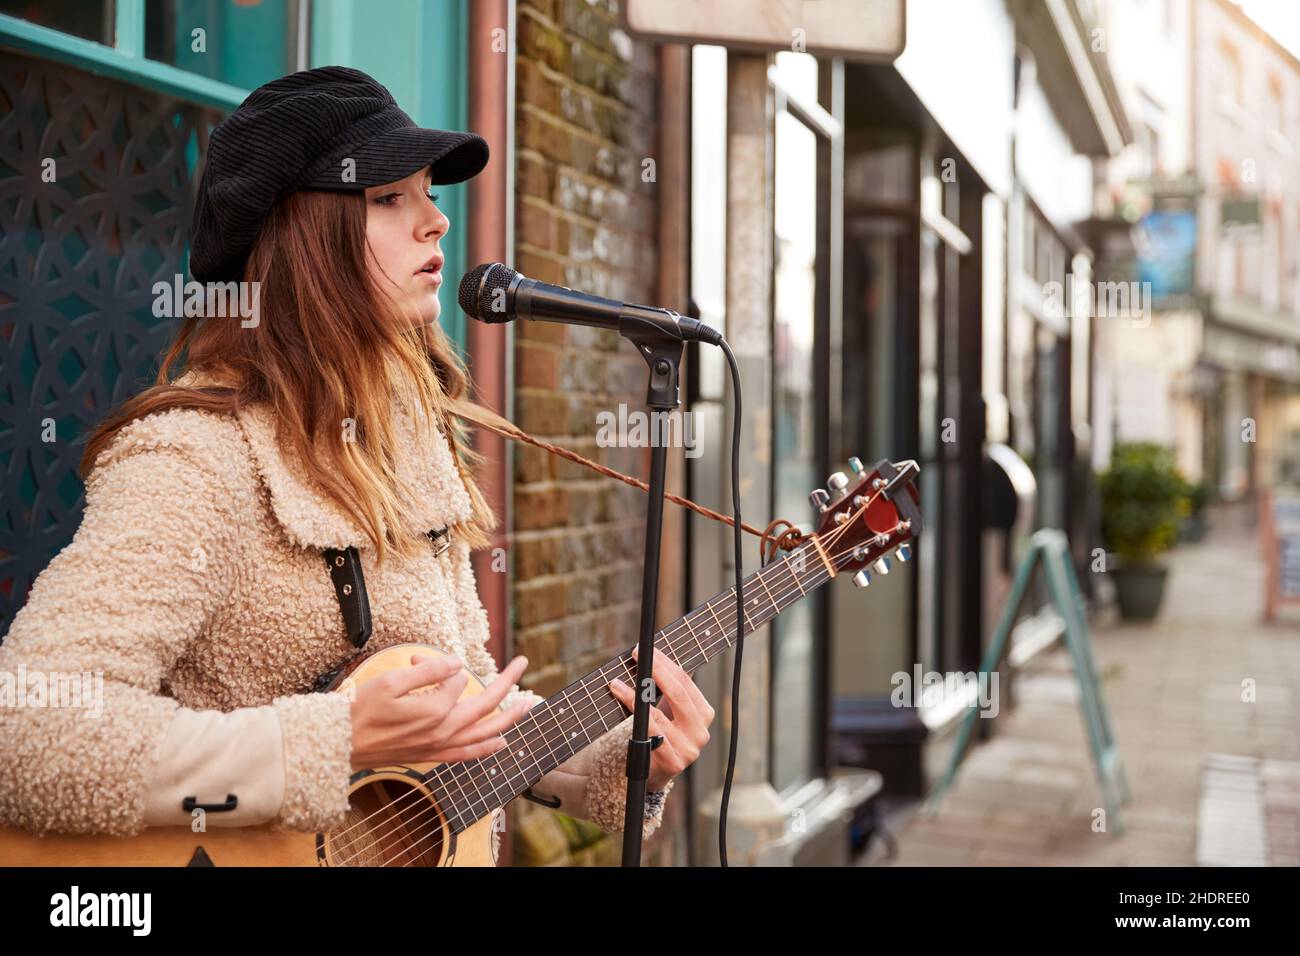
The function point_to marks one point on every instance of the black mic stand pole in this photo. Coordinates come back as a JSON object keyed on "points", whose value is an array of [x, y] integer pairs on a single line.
{"points": [[662, 351]]}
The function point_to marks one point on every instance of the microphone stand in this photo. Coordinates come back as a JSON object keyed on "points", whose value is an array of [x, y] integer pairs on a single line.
{"points": [[660, 344]]}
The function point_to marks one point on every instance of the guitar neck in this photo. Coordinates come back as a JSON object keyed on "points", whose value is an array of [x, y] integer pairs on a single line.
{"points": [[568, 721]]}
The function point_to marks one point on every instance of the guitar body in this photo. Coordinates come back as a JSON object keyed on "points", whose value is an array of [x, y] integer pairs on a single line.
{"points": [[393, 820]]}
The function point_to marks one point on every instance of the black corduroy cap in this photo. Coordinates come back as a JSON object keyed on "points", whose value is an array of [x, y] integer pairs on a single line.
{"points": [[332, 128]]}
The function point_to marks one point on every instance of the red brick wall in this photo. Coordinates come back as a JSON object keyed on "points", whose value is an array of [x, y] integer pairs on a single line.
{"points": [[585, 122]]}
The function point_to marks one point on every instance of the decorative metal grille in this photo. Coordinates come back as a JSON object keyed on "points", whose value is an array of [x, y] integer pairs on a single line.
{"points": [[96, 191]]}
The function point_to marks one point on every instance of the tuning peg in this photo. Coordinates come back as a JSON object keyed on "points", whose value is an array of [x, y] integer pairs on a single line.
{"points": [[862, 579], [881, 566], [856, 465], [819, 500], [837, 482], [904, 553]]}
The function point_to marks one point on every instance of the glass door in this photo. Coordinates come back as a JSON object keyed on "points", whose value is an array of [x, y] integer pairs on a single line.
{"points": [[799, 701], [872, 408], [950, 420]]}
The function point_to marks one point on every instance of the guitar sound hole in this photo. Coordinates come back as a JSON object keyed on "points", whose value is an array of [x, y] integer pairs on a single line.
{"points": [[390, 823]]}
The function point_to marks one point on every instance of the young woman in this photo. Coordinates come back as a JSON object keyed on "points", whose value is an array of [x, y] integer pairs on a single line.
{"points": [[196, 583]]}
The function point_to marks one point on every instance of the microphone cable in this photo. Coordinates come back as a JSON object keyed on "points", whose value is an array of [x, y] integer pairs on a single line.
{"points": [[740, 605]]}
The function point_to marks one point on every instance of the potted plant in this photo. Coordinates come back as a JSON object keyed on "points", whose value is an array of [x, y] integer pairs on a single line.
{"points": [[1141, 494]]}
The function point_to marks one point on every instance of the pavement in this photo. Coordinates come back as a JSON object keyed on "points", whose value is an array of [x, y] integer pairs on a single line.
{"points": [[1205, 707]]}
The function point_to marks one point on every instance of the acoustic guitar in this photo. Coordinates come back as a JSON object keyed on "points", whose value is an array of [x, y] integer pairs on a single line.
{"points": [[451, 814]]}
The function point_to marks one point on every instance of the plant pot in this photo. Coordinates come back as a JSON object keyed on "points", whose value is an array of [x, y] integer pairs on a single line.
{"points": [[1193, 528], [1140, 589]]}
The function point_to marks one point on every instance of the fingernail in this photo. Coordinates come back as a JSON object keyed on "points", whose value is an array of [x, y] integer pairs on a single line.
{"points": [[618, 684]]}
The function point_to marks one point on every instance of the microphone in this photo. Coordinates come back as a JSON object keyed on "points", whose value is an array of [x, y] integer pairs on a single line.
{"points": [[493, 292]]}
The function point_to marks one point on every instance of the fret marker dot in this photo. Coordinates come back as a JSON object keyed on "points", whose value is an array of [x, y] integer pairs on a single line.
{"points": [[519, 753], [492, 771]]}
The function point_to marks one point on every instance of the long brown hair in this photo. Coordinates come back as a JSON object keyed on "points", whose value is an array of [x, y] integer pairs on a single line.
{"points": [[328, 347]]}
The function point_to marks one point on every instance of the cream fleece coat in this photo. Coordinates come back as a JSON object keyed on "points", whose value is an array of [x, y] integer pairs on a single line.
{"points": [[197, 586]]}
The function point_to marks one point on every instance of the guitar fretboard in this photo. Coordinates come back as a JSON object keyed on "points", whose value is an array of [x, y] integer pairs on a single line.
{"points": [[557, 728]]}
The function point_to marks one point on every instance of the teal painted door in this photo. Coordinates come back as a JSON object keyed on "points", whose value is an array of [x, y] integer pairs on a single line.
{"points": [[416, 48]]}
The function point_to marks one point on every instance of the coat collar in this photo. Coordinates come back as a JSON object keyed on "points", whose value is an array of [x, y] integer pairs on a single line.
{"points": [[311, 519]]}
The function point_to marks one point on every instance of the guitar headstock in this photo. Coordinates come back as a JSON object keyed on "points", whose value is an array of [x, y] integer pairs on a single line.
{"points": [[866, 521]]}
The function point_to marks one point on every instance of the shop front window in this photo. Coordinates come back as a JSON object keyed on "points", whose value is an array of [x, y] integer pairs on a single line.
{"points": [[208, 52], [797, 701], [238, 42], [88, 19]]}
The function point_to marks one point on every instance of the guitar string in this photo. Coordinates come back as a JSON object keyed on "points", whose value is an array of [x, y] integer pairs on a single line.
{"points": [[670, 636], [431, 836], [432, 810], [619, 711], [461, 770], [422, 818]]}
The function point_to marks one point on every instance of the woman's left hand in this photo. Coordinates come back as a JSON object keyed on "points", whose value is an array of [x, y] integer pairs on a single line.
{"points": [[682, 717]]}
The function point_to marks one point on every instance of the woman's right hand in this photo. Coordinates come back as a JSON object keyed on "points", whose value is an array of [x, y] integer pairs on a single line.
{"points": [[392, 725]]}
